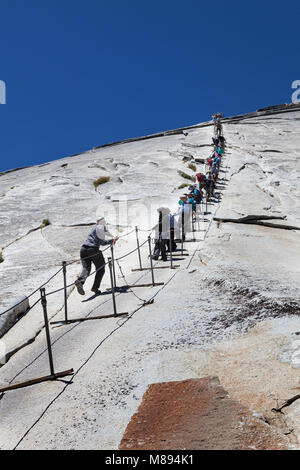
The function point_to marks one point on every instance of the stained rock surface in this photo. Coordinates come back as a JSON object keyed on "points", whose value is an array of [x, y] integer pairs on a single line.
{"points": [[197, 414]]}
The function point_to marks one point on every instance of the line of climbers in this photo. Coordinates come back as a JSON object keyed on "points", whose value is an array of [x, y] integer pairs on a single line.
{"points": [[171, 228], [208, 181]]}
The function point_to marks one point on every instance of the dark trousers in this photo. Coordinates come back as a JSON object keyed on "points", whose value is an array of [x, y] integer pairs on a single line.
{"points": [[171, 242], [161, 246], [88, 256]]}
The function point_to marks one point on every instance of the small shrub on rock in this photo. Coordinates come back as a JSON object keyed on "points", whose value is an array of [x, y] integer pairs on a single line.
{"points": [[192, 167], [101, 180], [45, 222], [186, 176]]}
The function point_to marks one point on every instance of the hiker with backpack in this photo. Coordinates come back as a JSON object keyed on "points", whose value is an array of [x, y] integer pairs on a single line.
{"points": [[192, 202], [197, 196], [209, 186], [163, 234], [217, 161], [90, 253], [201, 180], [220, 151], [218, 128], [221, 141]]}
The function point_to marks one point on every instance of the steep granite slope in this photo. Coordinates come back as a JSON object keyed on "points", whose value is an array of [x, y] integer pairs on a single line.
{"points": [[231, 310]]}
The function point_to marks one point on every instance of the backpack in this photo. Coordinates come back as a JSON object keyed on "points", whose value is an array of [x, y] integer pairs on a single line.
{"points": [[198, 197]]}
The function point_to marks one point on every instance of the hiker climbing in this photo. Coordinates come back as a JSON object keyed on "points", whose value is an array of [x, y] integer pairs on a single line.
{"points": [[184, 214], [90, 253], [218, 128], [163, 234], [201, 180]]}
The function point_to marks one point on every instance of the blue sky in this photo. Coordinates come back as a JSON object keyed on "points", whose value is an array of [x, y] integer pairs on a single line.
{"points": [[81, 73]]}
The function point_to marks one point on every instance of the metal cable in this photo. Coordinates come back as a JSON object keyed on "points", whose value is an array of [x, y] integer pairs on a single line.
{"points": [[86, 257], [99, 344], [127, 254], [66, 332], [85, 362], [73, 283], [100, 267], [32, 293], [126, 282], [126, 234]]}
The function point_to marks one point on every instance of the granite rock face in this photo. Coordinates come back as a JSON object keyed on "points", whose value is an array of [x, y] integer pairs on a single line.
{"points": [[18, 307], [231, 310]]}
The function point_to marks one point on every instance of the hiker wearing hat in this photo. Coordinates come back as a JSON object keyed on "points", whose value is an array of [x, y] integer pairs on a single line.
{"points": [[90, 253], [162, 235]]}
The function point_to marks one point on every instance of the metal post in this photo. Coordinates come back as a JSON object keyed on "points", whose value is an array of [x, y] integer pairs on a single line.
{"points": [[65, 289], [193, 225], [205, 191], [138, 246], [113, 265], [112, 287], [44, 305], [199, 218], [150, 256], [182, 228], [171, 247]]}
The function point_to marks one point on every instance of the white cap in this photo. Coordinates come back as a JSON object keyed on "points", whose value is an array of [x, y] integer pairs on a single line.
{"points": [[164, 209]]}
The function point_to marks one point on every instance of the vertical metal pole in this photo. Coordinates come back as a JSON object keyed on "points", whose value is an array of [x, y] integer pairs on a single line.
{"points": [[199, 218], [44, 305], [151, 264], [112, 286], [182, 228], [193, 224], [113, 265], [138, 246], [205, 191], [171, 247], [65, 290]]}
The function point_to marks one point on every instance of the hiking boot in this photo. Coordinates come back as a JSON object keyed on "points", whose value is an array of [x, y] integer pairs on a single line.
{"points": [[96, 291], [79, 287]]}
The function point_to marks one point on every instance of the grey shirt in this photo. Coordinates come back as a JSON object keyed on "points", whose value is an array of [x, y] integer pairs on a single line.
{"points": [[97, 237]]}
